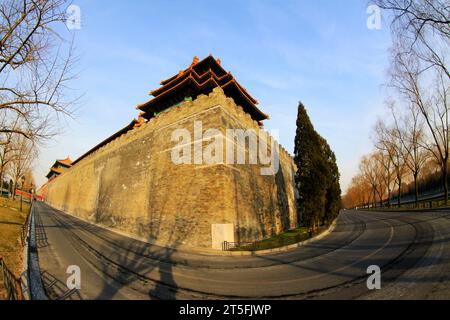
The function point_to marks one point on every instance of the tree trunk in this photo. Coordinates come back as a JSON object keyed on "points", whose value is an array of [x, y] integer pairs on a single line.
{"points": [[1, 180], [389, 198], [416, 191], [399, 201], [14, 190], [374, 199], [444, 177]]}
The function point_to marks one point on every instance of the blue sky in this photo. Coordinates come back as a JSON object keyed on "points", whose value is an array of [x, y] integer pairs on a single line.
{"points": [[317, 52]]}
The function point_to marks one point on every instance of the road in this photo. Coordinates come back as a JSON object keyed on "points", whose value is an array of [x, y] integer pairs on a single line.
{"points": [[412, 250]]}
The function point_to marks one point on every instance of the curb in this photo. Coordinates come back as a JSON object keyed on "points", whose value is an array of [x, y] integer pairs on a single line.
{"points": [[35, 286], [24, 282]]}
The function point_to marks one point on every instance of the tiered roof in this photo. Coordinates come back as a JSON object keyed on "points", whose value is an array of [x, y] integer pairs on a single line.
{"points": [[201, 77], [55, 171], [65, 162]]}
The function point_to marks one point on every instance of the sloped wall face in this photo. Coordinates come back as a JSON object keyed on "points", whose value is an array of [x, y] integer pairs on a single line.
{"points": [[133, 184], [264, 204]]}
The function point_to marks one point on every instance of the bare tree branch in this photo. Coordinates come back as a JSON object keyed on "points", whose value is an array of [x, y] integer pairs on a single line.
{"points": [[36, 66]]}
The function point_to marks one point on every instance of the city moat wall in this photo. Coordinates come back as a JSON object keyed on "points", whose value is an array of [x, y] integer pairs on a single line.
{"points": [[132, 185]]}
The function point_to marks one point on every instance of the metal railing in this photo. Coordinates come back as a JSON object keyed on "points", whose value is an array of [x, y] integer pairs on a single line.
{"points": [[227, 245], [421, 204], [271, 243], [56, 289], [12, 284], [24, 229]]}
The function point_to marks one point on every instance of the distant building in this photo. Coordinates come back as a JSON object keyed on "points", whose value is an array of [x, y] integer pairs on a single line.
{"points": [[59, 167], [56, 169]]}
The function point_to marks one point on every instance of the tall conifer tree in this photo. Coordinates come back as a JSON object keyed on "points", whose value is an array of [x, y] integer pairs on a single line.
{"points": [[317, 177], [333, 188]]}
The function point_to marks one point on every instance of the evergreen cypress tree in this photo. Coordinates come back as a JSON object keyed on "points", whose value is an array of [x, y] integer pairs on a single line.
{"points": [[310, 171], [317, 177], [333, 188]]}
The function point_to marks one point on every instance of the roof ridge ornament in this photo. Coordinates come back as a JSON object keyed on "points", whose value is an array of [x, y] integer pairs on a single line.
{"points": [[194, 61], [140, 120]]}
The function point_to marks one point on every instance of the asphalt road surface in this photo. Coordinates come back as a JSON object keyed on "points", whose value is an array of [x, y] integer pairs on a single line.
{"points": [[412, 250]]}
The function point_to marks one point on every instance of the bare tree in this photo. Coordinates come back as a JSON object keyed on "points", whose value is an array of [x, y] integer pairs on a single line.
{"points": [[387, 141], [412, 136], [6, 148], [5, 158], [423, 26], [358, 193], [35, 67], [432, 103], [387, 173], [372, 172], [23, 155], [420, 52], [364, 190]]}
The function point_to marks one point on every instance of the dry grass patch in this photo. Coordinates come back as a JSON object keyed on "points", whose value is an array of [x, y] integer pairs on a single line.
{"points": [[11, 221]]}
